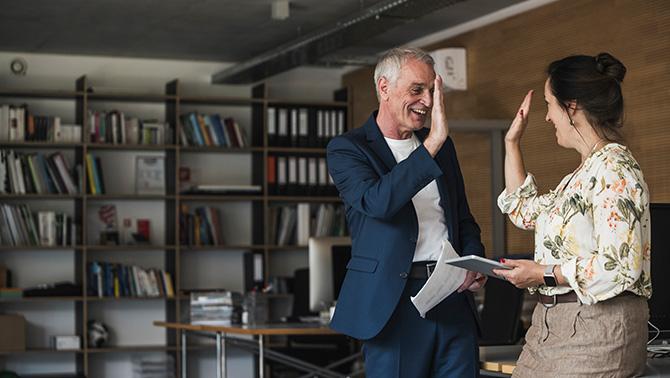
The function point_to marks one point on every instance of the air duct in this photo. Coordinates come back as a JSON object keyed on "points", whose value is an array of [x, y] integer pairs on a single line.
{"points": [[307, 50]]}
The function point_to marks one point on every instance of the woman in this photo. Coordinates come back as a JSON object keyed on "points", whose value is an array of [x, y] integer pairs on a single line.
{"points": [[592, 233]]}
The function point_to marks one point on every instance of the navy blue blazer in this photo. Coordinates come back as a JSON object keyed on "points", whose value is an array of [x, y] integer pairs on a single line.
{"points": [[377, 194]]}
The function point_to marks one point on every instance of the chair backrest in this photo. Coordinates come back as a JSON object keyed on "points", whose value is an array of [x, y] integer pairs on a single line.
{"points": [[500, 318], [301, 308]]}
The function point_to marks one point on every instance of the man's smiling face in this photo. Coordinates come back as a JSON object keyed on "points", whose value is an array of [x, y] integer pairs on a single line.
{"points": [[411, 96]]}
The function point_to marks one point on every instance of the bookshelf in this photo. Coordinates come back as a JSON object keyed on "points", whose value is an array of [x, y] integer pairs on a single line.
{"points": [[245, 217]]}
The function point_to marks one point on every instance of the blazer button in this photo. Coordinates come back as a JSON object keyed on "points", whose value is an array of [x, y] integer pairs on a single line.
{"points": [[403, 275]]}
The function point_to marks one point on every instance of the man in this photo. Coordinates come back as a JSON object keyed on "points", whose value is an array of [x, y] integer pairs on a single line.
{"points": [[404, 196]]}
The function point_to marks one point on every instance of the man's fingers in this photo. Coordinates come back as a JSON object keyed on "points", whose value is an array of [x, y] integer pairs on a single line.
{"points": [[464, 285], [478, 283], [475, 285], [438, 96], [469, 278]]}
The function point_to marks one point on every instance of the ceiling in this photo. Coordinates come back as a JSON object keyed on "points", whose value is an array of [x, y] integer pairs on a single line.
{"points": [[212, 30]]}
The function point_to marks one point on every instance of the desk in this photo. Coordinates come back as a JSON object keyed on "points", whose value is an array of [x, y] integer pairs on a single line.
{"points": [[223, 333], [504, 358]]}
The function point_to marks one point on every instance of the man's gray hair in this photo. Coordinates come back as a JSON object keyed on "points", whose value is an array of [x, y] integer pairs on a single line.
{"points": [[390, 63]]}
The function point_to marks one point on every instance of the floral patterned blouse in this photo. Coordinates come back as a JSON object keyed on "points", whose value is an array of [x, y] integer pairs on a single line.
{"points": [[595, 225]]}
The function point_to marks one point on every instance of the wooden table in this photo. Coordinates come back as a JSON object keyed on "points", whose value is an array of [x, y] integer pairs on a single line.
{"points": [[222, 333]]}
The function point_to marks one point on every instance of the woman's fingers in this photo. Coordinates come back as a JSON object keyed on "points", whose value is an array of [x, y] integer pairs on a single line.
{"points": [[520, 120], [525, 105]]}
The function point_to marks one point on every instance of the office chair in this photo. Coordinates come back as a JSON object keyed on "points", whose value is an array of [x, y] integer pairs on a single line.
{"points": [[319, 350], [501, 315]]}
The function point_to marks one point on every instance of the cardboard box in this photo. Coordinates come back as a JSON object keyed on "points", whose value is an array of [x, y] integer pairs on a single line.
{"points": [[13, 331]]}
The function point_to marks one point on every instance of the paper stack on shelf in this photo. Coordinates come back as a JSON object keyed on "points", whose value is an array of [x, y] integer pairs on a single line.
{"points": [[216, 307]]}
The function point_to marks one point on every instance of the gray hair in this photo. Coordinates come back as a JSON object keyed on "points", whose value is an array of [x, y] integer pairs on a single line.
{"points": [[390, 63]]}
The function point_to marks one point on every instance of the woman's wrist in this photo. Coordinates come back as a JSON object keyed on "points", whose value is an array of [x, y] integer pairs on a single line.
{"points": [[539, 274], [516, 143], [560, 279]]}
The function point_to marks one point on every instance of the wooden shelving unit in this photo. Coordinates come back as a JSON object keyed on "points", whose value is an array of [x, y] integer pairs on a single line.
{"points": [[170, 250]]}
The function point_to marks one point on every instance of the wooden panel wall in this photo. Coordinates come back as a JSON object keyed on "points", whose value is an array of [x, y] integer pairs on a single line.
{"points": [[508, 58]]}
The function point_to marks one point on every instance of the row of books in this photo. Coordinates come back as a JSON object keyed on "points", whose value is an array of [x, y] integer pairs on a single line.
{"points": [[114, 127], [19, 226], [18, 124], [290, 174], [22, 173], [117, 280], [200, 227], [211, 130], [303, 127], [297, 127], [96, 180], [294, 224]]}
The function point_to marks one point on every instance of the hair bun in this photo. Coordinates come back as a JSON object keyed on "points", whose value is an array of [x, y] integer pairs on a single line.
{"points": [[608, 65]]}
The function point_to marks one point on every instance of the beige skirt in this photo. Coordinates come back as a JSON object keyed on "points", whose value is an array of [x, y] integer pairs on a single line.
{"points": [[607, 339]]}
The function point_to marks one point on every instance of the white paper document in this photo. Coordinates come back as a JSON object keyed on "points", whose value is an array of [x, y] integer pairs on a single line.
{"points": [[444, 280]]}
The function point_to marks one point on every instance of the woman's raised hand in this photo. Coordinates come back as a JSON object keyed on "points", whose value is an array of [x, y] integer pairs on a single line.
{"points": [[520, 122]]}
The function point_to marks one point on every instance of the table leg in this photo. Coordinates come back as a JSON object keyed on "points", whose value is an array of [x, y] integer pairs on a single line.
{"points": [[224, 359], [219, 360], [183, 354], [261, 357]]}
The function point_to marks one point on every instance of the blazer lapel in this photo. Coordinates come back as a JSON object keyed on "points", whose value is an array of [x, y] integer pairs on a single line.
{"points": [[377, 142]]}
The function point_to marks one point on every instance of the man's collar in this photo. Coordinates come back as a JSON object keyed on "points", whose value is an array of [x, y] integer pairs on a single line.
{"points": [[371, 127], [373, 132]]}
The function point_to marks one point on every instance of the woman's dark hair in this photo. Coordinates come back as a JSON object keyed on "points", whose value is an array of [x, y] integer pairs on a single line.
{"points": [[594, 83]]}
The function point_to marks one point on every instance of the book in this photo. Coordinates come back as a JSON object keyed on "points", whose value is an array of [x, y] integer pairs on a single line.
{"points": [[99, 175], [143, 229], [64, 172], [150, 175]]}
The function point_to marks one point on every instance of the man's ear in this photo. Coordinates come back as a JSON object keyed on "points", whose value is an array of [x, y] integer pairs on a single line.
{"points": [[383, 87]]}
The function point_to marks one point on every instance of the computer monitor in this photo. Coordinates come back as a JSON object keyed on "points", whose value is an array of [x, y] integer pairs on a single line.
{"points": [[328, 258], [659, 304]]}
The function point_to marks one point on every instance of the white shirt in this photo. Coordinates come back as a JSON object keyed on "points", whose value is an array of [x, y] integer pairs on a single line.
{"points": [[430, 216]]}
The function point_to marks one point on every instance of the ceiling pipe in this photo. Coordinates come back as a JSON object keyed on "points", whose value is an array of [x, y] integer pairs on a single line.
{"points": [[307, 50]]}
